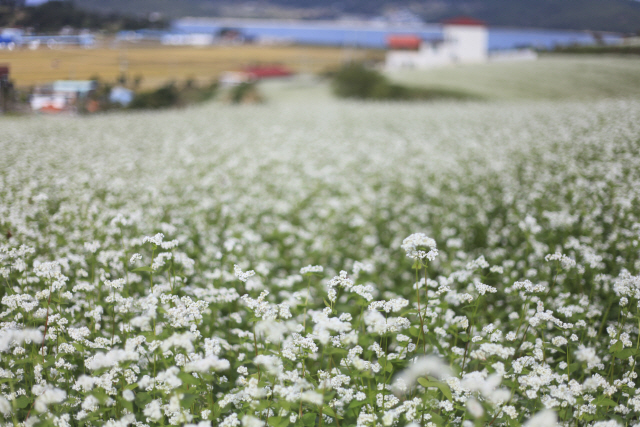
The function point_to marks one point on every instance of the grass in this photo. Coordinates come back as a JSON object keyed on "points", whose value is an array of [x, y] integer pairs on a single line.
{"points": [[159, 64], [550, 77]]}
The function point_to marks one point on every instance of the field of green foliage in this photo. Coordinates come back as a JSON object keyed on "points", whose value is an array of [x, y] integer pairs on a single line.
{"points": [[552, 76], [315, 262]]}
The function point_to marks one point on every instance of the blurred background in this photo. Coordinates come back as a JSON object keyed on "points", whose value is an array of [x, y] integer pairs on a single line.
{"points": [[89, 56]]}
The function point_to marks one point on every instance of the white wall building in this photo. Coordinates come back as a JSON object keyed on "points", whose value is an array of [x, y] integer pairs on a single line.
{"points": [[463, 41], [193, 39]]}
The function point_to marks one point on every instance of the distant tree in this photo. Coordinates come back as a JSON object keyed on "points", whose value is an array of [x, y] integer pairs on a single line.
{"points": [[166, 96], [54, 15], [356, 81], [14, 4]]}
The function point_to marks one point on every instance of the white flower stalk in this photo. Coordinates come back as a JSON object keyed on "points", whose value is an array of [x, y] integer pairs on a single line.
{"points": [[49, 395], [311, 269], [251, 421], [419, 246], [242, 276], [15, 337], [421, 367], [210, 363], [544, 418], [156, 240], [312, 397]]}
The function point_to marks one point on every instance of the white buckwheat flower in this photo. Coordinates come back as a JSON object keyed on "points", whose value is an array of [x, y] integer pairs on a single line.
{"points": [[311, 269], [419, 246], [242, 276]]}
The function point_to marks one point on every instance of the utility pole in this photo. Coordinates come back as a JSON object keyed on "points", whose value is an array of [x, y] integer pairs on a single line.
{"points": [[4, 85]]}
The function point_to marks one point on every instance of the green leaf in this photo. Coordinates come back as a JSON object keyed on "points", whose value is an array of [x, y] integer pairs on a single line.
{"points": [[100, 395], [464, 337], [326, 302], [574, 367], [413, 331], [22, 402], [263, 405], [604, 401], [127, 405], [328, 410], [147, 269], [624, 354], [616, 347], [274, 421], [412, 311], [143, 398], [356, 404], [444, 388], [437, 419], [309, 419], [557, 349], [425, 383], [188, 399], [509, 383], [284, 422], [188, 378]]}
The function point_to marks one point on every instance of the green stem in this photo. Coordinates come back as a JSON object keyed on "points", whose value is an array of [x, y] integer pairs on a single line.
{"points": [[421, 331]]}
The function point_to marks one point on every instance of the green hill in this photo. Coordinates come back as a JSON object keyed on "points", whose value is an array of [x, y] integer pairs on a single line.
{"points": [[598, 15]]}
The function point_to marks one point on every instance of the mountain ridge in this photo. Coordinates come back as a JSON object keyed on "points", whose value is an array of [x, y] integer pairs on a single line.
{"points": [[594, 15]]}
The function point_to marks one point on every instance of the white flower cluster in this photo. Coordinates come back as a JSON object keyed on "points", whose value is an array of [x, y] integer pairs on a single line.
{"points": [[311, 269], [100, 325], [419, 246]]}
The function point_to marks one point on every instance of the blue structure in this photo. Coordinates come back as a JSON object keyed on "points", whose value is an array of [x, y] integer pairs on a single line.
{"points": [[121, 95], [374, 34], [11, 38]]}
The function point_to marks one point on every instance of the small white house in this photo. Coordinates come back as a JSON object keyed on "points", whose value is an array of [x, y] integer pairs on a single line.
{"points": [[463, 41], [195, 39]]}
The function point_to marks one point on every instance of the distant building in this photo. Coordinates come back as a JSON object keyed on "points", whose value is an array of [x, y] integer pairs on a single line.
{"points": [[62, 96], [10, 38], [121, 95], [193, 39], [234, 78], [258, 72], [464, 40], [254, 73]]}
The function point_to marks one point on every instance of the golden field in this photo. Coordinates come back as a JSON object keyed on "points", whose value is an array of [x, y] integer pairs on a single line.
{"points": [[160, 64]]}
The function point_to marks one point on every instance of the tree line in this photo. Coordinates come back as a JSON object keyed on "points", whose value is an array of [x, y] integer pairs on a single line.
{"points": [[55, 15]]}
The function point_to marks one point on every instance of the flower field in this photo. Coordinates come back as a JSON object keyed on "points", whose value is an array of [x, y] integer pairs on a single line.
{"points": [[323, 264]]}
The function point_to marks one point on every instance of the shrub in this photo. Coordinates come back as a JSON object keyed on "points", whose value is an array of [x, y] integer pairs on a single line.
{"points": [[245, 93], [357, 81], [166, 96]]}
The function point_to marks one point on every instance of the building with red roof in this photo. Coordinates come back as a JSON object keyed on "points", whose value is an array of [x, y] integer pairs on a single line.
{"points": [[464, 40], [464, 20]]}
